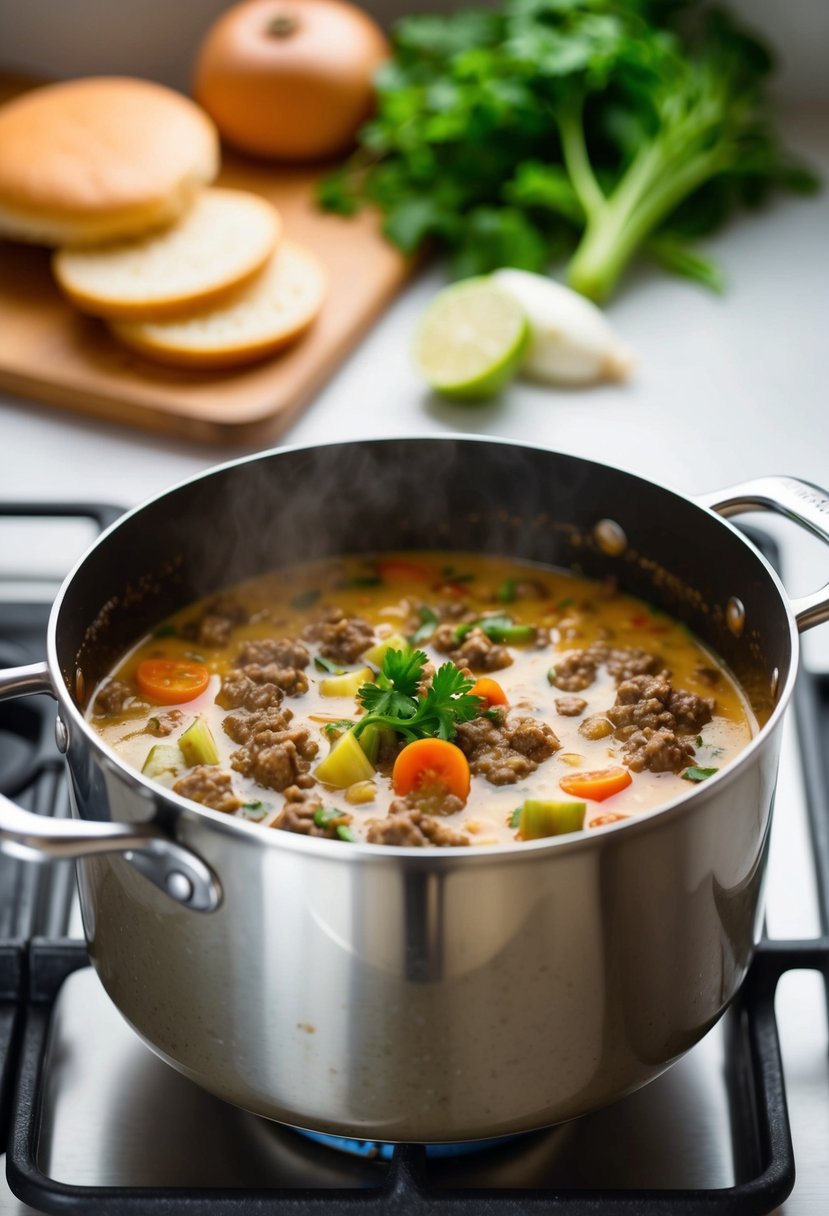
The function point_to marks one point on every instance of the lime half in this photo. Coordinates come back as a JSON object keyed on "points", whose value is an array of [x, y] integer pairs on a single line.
{"points": [[470, 339]]}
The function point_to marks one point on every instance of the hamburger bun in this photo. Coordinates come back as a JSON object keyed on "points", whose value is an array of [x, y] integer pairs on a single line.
{"points": [[225, 238], [276, 308], [100, 158]]}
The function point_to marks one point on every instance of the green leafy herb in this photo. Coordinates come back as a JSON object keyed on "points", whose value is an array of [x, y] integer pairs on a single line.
{"points": [[396, 702], [510, 136], [336, 728], [363, 580], [323, 664], [699, 774], [506, 592], [430, 621], [567, 602], [324, 815], [497, 629], [698, 741], [515, 818], [306, 599], [451, 573]]}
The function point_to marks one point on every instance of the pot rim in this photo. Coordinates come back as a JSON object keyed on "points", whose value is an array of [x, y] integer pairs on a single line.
{"points": [[367, 853]]}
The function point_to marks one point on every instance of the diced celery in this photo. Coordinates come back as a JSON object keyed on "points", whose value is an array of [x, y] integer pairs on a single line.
{"points": [[345, 764], [346, 685], [539, 819], [198, 744], [164, 763], [373, 738], [376, 653]]}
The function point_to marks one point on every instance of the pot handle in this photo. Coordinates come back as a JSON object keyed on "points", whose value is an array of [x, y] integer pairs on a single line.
{"points": [[800, 501], [168, 865]]}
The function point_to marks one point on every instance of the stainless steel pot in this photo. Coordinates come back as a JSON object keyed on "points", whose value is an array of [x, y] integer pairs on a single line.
{"points": [[407, 994]]}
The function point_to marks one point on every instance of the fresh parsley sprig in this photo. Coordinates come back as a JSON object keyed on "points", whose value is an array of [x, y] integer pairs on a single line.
{"points": [[511, 134], [396, 702]]}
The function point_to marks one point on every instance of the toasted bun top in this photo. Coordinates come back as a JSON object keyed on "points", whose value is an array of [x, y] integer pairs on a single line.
{"points": [[89, 148]]}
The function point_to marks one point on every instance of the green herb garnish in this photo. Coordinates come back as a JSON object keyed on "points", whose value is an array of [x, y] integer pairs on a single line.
{"points": [[506, 592], [430, 621], [165, 631], [699, 774], [394, 700], [324, 815], [345, 833], [363, 580], [515, 818], [323, 664], [508, 136], [336, 728], [305, 599], [497, 629]]}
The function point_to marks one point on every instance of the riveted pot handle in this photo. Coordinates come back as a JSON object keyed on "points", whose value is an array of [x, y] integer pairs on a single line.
{"points": [[800, 501], [171, 867], [175, 870]]}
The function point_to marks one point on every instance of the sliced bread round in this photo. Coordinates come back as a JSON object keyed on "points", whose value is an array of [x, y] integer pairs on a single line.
{"points": [[99, 159], [276, 308], [223, 241]]}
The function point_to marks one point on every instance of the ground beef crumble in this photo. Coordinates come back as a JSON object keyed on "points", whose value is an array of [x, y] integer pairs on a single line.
{"points": [[273, 753], [298, 812], [266, 668], [114, 697], [284, 652], [653, 702], [577, 670], [475, 651], [570, 707], [406, 825], [211, 786], [163, 724], [650, 715], [661, 751], [505, 750], [239, 691], [341, 638], [217, 622]]}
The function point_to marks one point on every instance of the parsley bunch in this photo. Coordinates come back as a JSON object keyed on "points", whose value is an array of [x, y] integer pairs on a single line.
{"points": [[509, 136], [394, 700]]}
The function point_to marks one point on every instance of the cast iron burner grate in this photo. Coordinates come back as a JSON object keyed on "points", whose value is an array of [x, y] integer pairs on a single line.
{"points": [[35, 962]]}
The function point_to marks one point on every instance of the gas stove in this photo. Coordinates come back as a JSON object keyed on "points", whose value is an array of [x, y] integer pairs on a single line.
{"points": [[91, 1121]]}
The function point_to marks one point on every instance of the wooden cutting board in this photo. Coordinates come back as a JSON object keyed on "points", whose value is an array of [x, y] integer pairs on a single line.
{"points": [[53, 354]]}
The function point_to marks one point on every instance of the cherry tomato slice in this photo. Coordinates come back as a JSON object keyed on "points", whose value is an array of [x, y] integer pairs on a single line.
{"points": [[171, 681], [597, 785]]}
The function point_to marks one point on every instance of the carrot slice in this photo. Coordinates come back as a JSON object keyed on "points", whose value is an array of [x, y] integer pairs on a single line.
{"points": [[597, 785], [489, 691], [398, 569], [171, 681], [431, 762]]}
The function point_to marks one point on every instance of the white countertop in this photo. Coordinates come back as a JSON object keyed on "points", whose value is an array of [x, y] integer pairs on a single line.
{"points": [[726, 388]]}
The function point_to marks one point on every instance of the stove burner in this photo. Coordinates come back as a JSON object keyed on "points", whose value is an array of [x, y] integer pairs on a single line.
{"points": [[376, 1150], [21, 728]]}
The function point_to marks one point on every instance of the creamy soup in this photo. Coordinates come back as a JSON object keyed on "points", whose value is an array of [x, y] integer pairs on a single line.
{"points": [[427, 699]]}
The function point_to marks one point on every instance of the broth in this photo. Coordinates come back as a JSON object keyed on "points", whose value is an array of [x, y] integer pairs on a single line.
{"points": [[587, 681]]}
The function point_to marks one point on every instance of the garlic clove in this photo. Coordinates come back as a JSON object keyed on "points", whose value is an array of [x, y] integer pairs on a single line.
{"points": [[571, 341]]}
